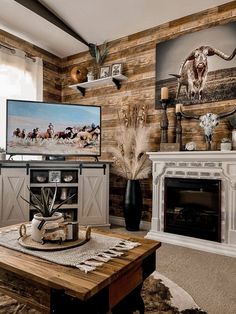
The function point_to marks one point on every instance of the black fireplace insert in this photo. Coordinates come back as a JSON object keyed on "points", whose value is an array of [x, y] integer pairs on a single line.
{"points": [[193, 208]]}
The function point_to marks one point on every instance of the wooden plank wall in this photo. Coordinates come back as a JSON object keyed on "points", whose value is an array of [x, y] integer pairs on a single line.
{"points": [[137, 53]]}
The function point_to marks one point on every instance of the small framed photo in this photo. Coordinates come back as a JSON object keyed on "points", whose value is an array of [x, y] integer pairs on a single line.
{"points": [[105, 71], [116, 69], [54, 176]]}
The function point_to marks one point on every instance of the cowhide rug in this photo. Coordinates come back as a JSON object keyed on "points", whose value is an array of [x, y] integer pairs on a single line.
{"points": [[160, 295], [163, 296]]}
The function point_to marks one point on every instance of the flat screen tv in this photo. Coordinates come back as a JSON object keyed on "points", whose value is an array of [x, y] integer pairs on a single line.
{"points": [[52, 129]]}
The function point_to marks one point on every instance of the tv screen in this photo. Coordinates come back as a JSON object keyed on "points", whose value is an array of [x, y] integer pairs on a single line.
{"points": [[41, 128]]}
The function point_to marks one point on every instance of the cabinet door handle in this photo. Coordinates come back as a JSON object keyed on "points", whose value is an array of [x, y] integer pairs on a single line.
{"points": [[27, 169], [80, 169], [104, 169]]}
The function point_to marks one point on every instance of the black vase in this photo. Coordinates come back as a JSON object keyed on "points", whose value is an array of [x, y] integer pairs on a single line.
{"points": [[133, 204]]}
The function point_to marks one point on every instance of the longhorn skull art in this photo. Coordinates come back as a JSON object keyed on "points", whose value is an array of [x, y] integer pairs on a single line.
{"points": [[208, 122], [194, 69]]}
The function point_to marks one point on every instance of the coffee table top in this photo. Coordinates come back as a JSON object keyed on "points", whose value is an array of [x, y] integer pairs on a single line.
{"points": [[73, 281]]}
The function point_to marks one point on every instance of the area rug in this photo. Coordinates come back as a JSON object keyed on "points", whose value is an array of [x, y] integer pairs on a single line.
{"points": [[163, 296], [160, 295]]}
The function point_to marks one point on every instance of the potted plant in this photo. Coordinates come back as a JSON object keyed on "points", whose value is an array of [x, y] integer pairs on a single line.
{"points": [[2, 153], [99, 59], [47, 211], [226, 144], [131, 161]]}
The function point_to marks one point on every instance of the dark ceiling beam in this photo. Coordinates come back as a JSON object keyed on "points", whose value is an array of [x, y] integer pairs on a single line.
{"points": [[38, 8]]}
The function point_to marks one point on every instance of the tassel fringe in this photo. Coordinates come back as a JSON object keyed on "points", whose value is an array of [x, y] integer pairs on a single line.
{"points": [[106, 256]]}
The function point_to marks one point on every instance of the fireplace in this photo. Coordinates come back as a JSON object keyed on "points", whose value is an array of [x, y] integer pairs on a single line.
{"points": [[194, 200], [192, 208]]}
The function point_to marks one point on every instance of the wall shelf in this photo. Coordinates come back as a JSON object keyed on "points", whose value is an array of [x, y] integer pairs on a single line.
{"points": [[116, 80]]}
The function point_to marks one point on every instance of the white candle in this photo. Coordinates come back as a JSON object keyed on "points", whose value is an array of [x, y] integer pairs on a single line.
{"points": [[178, 108], [164, 93]]}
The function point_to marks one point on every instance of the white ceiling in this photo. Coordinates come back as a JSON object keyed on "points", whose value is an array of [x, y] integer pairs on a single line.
{"points": [[94, 20]]}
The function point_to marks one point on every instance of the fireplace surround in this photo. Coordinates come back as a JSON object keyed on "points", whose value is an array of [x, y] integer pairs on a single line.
{"points": [[216, 166]]}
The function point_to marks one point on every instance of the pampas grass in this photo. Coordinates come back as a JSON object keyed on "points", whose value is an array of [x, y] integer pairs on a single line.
{"points": [[129, 155]]}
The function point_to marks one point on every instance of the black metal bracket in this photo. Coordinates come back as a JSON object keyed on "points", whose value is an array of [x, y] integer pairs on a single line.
{"points": [[99, 166], [27, 169], [104, 169], [116, 82], [80, 169], [10, 156], [81, 89], [10, 166]]}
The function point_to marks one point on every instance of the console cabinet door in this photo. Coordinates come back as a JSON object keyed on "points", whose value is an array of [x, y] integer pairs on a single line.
{"points": [[13, 184], [94, 196]]}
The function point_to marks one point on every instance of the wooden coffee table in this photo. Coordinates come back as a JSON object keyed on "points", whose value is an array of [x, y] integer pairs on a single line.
{"points": [[52, 288]]}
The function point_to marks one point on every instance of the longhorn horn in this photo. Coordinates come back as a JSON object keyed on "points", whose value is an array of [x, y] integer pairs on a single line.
{"points": [[226, 114], [188, 116], [213, 51]]}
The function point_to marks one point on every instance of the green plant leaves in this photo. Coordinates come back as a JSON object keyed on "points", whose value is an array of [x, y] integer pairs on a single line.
{"points": [[45, 203]]}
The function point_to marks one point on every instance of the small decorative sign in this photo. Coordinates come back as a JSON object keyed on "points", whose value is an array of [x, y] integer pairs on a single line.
{"points": [[116, 69], [105, 71], [169, 147], [54, 176]]}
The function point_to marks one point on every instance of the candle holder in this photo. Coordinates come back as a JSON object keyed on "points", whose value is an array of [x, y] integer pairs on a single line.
{"points": [[164, 121], [178, 129]]}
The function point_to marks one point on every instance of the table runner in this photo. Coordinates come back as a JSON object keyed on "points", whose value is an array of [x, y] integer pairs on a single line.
{"points": [[98, 250]]}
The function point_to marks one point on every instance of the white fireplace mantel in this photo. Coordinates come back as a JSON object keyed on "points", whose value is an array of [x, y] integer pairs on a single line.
{"points": [[220, 165]]}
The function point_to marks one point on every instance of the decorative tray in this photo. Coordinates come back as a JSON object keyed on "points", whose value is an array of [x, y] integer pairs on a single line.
{"points": [[27, 242]]}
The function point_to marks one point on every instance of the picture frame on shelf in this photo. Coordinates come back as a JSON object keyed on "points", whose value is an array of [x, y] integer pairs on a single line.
{"points": [[104, 71], [54, 176], [116, 69]]}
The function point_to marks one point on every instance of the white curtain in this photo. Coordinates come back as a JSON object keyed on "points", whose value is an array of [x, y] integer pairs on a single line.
{"points": [[20, 78]]}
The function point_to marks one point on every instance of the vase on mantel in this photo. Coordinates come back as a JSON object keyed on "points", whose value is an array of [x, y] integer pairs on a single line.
{"points": [[133, 204]]}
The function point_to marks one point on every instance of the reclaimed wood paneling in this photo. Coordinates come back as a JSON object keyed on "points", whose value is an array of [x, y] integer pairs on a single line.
{"points": [[137, 52]]}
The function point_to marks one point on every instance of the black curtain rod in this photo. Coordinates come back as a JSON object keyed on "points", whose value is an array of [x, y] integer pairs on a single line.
{"points": [[14, 50]]}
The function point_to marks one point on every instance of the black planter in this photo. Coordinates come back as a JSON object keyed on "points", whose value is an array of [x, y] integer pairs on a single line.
{"points": [[133, 204]]}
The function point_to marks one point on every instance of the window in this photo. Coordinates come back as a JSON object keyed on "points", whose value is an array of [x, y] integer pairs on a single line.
{"points": [[20, 78]]}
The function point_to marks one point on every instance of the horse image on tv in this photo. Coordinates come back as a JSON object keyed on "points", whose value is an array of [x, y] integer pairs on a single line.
{"points": [[71, 130]]}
